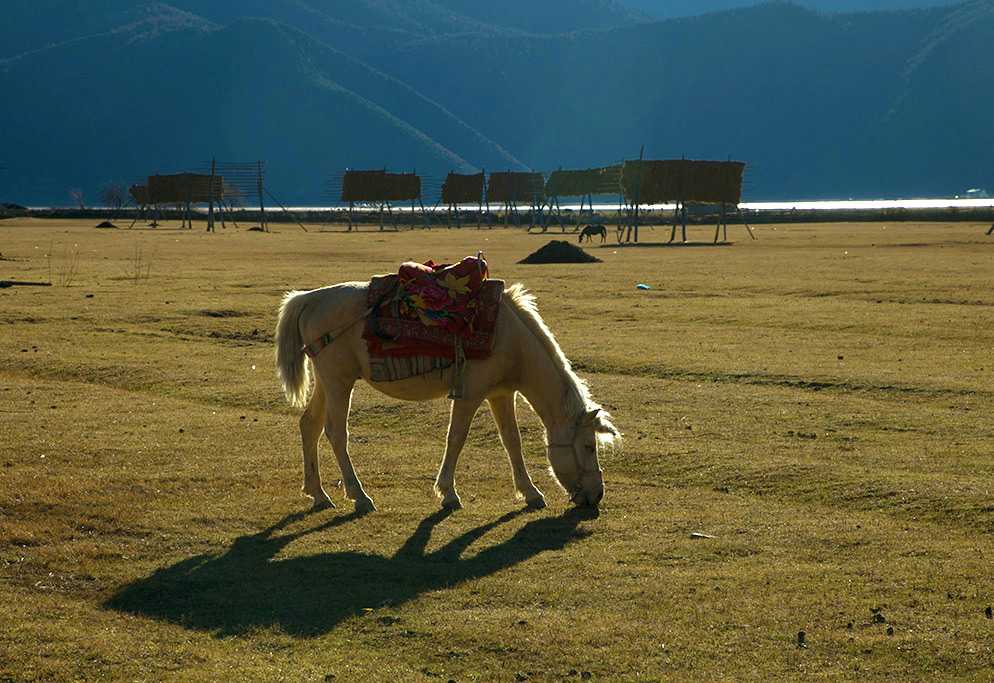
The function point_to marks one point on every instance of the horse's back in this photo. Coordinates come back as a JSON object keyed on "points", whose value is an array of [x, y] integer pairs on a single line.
{"points": [[327, 308]]}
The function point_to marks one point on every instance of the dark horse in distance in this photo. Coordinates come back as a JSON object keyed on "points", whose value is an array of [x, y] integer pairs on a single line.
{"points": [[592, 230]]}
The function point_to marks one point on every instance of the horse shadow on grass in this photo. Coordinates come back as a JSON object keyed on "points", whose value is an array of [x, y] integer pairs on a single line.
{"points": [[248, 587]]}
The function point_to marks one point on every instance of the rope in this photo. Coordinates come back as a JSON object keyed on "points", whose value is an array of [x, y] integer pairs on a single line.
{"points": [[315, 347], [459, 370]]}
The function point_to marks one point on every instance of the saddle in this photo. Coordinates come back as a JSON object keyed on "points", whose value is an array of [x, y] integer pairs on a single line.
{"points": [[428, 317]]}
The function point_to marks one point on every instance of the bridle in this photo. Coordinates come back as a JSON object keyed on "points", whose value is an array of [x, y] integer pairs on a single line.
{"points": [[578, 486]]}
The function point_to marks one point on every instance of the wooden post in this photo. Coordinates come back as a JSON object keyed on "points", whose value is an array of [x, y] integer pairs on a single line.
{"points": [[512, 203], [351, 216], [210, 195], [285, 210], [724, 222], [724, 187], [486, 198], [263, 223], [507, 202], [393, 221], [424, 213], [635, 216], [739, 211], [186, 197], [621, 215]]}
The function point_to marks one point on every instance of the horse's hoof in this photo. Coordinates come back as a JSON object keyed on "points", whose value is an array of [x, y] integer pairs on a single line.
{"points": [[364, 505], [321, 505], [451, 501], [536, 503]]}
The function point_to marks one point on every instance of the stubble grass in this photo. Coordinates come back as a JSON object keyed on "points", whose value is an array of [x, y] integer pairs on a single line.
{"points": [[808, 430]]}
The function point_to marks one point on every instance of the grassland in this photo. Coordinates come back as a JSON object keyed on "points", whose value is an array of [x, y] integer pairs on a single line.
{"points": [[808, 420]]}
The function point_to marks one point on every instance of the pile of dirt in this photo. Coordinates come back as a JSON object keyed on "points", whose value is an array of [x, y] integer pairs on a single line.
{"points": [[558, 251], [106, 224]]}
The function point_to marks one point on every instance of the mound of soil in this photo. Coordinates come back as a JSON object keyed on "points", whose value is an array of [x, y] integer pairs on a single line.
{"points": [[558, 251], [106, 224]]}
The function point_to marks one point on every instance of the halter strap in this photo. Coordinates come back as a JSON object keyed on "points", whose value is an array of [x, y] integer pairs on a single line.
{"points": [[579, 467]]}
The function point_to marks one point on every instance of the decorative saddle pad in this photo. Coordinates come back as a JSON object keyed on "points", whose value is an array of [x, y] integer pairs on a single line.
{"points": [[423, 309]]}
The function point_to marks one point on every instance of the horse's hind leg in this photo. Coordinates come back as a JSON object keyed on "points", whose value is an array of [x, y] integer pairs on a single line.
{"points": [[502, 408], [311, 424], [336, 428]]}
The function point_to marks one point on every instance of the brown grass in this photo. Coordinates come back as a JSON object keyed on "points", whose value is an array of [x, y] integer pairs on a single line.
{"points": [[808, 420]]}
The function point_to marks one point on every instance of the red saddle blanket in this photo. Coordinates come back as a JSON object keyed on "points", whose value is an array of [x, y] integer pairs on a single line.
{"points": [[430, 306]]}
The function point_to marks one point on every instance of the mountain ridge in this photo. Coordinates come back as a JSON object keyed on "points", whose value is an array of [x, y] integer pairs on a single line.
{"points": [[75, 116], [820, 105]]}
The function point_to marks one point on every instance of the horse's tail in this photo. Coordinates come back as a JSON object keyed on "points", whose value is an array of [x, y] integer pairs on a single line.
{"points": [[291, 366]]}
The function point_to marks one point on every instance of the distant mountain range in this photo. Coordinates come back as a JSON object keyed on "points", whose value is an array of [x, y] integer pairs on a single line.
{"points": [[670, 9], [881, 104]]}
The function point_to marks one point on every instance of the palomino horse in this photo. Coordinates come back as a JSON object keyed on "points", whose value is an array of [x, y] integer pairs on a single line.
{"points": [[525, 359], [592, 230]]}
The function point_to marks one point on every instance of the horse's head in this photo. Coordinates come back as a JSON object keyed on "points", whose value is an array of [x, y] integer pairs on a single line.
{"points": [[574, 459]]}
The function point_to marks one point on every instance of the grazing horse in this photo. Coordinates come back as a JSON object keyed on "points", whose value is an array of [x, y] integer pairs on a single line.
{"points": [[592, 230], [525, 359]]}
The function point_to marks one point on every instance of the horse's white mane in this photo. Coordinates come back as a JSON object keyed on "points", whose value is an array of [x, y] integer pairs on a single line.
{"points": [[577, 401]]}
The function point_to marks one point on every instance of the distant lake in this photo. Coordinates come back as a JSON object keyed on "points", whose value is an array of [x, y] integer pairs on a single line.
{"points": [[800, 205], [868, 204]]}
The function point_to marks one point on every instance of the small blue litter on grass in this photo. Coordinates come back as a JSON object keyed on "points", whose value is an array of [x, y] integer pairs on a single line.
{"points": [[643, 287]]}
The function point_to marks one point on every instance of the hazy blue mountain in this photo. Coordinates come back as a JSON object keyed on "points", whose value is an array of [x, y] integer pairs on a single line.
{"points": [[550, 16], [819, 105], [812, 101], [671, 9], [165, 91], [359, 25], [939, 130]]}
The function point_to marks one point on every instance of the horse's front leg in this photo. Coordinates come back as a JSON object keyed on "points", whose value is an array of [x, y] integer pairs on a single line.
{"points": [[337, 430], [460, 418], [311, 424], [502, 408]]}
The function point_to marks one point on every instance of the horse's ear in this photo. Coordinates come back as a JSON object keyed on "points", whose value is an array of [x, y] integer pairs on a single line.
{"points": [[589, 418], [599, 420]]}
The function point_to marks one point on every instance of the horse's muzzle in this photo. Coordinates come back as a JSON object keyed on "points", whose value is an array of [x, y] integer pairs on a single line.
{"points": [[588, 497]]}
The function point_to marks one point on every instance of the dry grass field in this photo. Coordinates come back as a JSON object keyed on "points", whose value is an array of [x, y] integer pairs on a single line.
{"points": [[808, 422]]}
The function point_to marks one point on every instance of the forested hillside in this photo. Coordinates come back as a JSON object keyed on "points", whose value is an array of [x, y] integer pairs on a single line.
{"points": [[873, 104]]}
